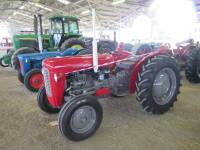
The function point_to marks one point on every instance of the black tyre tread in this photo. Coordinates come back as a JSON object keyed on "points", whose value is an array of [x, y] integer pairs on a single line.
{"points": [[27, 77], [191, 66], [1, 60], [23, 50], [67, 110], [43, 103], [20, 77], [145, 80], [72, 41]]}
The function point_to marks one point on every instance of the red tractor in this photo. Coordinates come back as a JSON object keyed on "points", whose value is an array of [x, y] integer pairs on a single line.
{"points": [[182, 51], [72, 86]]}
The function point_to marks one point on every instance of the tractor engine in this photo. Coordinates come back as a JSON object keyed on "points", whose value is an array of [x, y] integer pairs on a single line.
{"points": [[87, 82]]}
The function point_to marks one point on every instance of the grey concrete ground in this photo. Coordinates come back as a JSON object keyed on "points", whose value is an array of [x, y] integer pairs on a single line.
{"points": [[125, 126]]}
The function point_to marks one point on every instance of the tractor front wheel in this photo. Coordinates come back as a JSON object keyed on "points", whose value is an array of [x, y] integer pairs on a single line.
{"points": [[33, 80], [158, 84], [80, 118], [2, 63], [43, 102], [192, 67]]}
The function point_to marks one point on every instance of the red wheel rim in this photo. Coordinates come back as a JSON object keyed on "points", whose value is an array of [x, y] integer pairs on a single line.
{"points": [[36, 81]]}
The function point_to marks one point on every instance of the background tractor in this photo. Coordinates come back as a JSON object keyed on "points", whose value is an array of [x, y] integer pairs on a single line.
{"points": [[64, 33], [182, 51]]}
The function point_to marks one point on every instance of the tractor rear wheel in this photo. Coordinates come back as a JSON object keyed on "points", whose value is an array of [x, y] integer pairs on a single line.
{"points": [[20, 77], [23, 50], [33, 80], [158, 84], [80, 118], [73, 43], [2, 63], [43, 102], [192, 67]]}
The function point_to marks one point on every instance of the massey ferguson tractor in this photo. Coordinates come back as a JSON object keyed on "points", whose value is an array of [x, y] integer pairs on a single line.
{"points": [[73, 86]]}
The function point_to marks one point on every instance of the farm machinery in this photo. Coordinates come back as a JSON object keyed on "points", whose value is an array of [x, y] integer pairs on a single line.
{"points": [[64, 33], [74, 84], [183, 50]]}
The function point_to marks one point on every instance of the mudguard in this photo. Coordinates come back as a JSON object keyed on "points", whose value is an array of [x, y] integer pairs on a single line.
{"points": [[138, 66]]}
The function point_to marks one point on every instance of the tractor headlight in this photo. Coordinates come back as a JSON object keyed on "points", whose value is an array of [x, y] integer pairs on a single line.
{"points": [[47, 83]]}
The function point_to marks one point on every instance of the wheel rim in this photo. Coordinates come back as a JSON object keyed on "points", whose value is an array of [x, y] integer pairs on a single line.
{"points": [[36, 80], [77, 46], [164, 86], [83, 119]]}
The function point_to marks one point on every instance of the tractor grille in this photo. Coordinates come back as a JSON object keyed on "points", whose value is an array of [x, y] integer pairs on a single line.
{"points": [[47, 83]]}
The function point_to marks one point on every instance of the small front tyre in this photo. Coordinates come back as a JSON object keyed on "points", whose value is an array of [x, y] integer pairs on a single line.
{"points": [[80, 118], [43, 102], [158, 84]]}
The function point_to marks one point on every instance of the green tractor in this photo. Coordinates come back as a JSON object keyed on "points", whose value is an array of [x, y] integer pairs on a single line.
{"points": [[64, 33]]}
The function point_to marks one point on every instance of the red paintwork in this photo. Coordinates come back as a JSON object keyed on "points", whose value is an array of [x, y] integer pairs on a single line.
{"points": [[56, 100], [36, 80], [60, 67], [102, 92], [182, 52]]}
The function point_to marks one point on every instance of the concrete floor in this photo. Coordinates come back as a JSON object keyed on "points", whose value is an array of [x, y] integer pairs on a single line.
{"points": [[125, 126]]}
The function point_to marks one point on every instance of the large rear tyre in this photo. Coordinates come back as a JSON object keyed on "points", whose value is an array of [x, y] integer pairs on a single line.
{"points": [[192, 67], [73, 43], [43, 102], [20, 77], [23, 50], [80, 118], [2, 63], [158, 84], [33, 80]]}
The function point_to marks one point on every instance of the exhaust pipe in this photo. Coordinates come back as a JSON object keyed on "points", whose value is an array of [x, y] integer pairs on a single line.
{"points": [[35, 23]]}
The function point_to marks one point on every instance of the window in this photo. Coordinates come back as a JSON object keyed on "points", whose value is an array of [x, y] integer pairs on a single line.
{"points": [[73, 27], [56, 26]]}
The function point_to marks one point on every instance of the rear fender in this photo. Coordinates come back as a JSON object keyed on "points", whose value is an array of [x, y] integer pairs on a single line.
{"points": [[138, 67]]}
